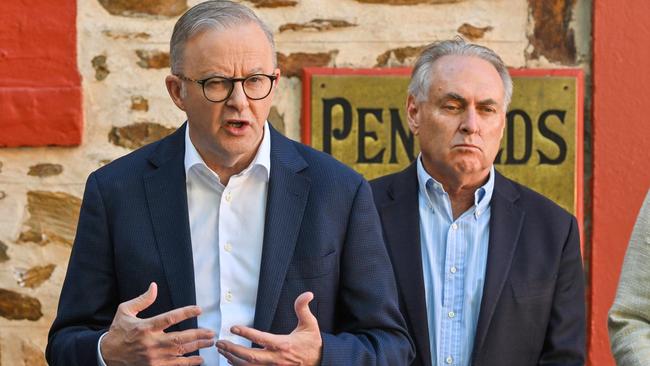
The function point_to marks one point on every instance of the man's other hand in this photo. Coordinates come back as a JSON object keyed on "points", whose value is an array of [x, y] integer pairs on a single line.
{"points": [[134, 341], [302, 347]]}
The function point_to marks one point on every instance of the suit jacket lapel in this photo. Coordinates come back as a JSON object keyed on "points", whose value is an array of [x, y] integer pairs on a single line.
{"points": [[401, 221], [167, 199], [286, 200], [505, 227]]}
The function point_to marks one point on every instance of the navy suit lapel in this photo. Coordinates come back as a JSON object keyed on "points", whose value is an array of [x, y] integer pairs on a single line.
{"points": [[167, 200], [286, 201], [505, 228], [401, 221]]}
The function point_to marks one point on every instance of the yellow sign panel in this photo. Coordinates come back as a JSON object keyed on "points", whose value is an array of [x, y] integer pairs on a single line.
{"points": [[358, 116]]}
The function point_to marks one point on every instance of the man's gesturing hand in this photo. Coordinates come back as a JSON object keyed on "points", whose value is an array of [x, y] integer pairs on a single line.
{"points": [[302, 347], [135, 341]]}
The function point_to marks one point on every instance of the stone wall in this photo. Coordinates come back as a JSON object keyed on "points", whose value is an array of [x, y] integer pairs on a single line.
{"points": [[123, 59]]}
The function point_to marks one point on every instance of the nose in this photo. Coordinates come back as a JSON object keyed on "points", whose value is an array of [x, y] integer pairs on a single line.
{"points": [[238, 98], [470, 123]]}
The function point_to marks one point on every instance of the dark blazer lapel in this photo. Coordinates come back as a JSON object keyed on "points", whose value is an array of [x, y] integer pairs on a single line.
{"points": [[286, 200], [401, 222], [167, 200], [505, 228]]}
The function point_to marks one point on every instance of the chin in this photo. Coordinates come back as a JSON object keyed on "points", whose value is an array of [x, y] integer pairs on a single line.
{"points": [[469, 167]]}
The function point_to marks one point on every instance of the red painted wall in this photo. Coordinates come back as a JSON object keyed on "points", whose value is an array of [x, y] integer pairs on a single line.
{"points": [[621, 149], [40, 86]]}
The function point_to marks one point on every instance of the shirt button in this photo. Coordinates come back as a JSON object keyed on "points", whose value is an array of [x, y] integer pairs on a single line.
{"points": [[451, 314], [454, 226], [453, 269], [228, 296], [228, 197], [228, 247], [449, 360]]}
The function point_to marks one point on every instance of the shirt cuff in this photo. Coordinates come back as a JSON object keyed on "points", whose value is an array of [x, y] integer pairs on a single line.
{"points": [[100, 359]]}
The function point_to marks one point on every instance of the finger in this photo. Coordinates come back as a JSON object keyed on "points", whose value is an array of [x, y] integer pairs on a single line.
{"points": [[136, 305], [305, 318], [187, 336], [166, 320], [258, 337], [248, 355], [185, 348], [187, 341]]}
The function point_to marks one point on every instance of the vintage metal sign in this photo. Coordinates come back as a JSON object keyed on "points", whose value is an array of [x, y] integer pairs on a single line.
{"points": [[358, 116]]}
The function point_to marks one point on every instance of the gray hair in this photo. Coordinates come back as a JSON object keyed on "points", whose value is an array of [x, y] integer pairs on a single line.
{"points": [[421, 76], [217, 15]]}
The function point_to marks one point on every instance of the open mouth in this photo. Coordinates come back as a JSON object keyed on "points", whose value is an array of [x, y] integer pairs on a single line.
{"points": [[237, 124]]}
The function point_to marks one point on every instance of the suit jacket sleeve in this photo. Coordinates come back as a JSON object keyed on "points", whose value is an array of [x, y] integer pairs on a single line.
{"points": [[629, 317], [88, 298], [372, 328], [564, 343]]}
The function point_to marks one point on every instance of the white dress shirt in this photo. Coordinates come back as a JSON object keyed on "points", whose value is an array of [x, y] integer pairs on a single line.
{"points": [[227, 230]]}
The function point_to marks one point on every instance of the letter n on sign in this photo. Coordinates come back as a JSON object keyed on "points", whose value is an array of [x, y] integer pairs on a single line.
{"points": [[359, 117]]}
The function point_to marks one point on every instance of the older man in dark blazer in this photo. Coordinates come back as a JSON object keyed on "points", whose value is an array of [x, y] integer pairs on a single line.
{"points": [[234, 231], [489, 272]]}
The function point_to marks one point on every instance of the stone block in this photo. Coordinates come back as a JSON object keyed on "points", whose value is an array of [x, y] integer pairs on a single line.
{"points": [[3, 252], [273, 3], [317, 25], [139, 8], [45, 170], [139, 103], [15, 306], [35, 276], [402, 56], [53, 217], [152, 59], [101, 70], [138, 134], [473, 33], [292, 64], [552, 36]]}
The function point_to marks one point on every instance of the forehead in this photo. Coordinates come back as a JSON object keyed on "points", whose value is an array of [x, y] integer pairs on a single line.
{"points": [[468, 76], [236, 49]]}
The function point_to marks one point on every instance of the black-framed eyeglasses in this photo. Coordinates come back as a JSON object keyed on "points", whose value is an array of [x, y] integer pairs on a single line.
{"points": [[218, 88]]}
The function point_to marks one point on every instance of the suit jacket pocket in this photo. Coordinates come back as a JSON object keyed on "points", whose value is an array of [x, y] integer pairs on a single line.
{"points": [[533, 290], [312, 267]]}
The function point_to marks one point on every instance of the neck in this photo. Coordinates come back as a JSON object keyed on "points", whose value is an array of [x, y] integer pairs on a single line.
{"points": [[223, 164], [459, 186]]}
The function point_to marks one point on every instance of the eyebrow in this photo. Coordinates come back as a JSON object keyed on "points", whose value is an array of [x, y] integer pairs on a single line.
{"points": [[488, 101], [455, 97], [256, 70], [459, 98]]}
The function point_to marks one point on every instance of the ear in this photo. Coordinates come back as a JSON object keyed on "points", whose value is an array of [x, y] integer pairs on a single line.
{"points": [[412, 110], [174, 85]]}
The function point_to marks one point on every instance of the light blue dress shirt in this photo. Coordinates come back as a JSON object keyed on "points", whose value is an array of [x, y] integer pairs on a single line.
{"points": [[454, 257]]}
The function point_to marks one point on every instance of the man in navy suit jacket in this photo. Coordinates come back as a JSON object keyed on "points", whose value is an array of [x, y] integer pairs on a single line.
{"points": [[325, 293], [488, 271]]}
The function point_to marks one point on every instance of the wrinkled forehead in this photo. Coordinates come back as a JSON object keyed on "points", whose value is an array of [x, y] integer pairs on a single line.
{"points": [[469, 76]]}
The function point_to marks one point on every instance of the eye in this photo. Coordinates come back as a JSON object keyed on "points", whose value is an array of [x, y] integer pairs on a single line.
{"points": [[254, 79], [215, 83], [488, 109], [451, 107]]}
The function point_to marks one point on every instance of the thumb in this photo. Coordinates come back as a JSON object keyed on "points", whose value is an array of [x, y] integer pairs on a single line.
{"points": [[136, 305], [305, 318]]}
